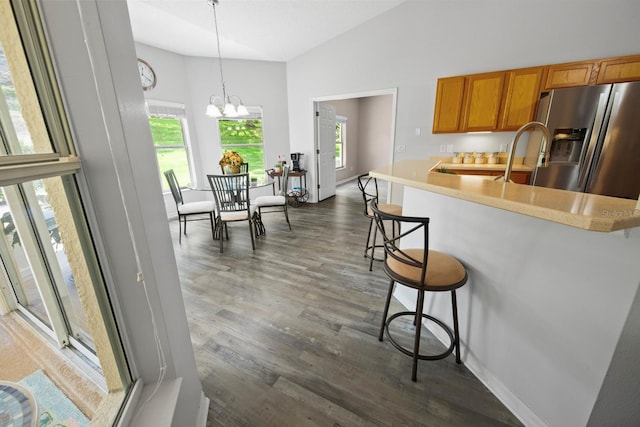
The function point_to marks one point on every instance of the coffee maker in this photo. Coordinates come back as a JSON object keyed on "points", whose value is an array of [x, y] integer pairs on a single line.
{"points": [[296, 158]]}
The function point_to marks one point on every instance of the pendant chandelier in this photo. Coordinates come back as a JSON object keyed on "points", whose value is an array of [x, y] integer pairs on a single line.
{"points": [[225, 105]]}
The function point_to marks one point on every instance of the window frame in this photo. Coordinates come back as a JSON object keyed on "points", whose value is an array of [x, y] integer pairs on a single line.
{"points": [[255, 113], [165, 109], [341, 121]]}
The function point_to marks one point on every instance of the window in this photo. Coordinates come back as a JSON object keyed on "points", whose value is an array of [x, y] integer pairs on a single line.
{"points": [[244, 135], [168, 128], [50, 275], [341, 139]]}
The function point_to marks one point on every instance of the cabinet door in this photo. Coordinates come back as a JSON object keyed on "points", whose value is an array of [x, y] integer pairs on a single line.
{"points": [[448, 110], [619, 70], [521, 99], [569, 75], [482, 101]]}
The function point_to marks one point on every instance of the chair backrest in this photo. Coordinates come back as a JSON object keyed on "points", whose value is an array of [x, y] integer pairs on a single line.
{"points": [[231, 192], [389, 224], [285, 180], [174, 186], [369, 188]]}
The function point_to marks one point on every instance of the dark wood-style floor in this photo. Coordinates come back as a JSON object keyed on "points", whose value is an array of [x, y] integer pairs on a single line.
{"points": [[286, 335]]}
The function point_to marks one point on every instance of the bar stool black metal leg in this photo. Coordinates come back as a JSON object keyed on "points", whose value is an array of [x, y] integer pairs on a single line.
{"points": [[386, 310], [456, 333], [416, 344], [366, 248], [373, 249]]}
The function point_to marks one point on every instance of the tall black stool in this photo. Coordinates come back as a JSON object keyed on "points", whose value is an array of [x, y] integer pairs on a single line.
{"points": [[369, 188], [424, 270]]}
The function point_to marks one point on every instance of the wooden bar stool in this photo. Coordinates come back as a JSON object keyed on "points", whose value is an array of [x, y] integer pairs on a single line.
{"points": [[369, 188], [424, 270]]}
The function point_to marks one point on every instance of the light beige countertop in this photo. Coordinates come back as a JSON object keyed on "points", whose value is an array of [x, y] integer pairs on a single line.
{"points": [[587, 211]]}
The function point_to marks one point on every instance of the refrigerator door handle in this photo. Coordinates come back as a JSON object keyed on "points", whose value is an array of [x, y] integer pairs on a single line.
{"points": [[583, 172]]}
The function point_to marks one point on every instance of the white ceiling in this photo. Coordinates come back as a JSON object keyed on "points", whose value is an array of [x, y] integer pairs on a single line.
{"points": [[269, 30]]}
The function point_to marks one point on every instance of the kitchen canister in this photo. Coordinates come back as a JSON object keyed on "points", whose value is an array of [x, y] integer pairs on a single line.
{"points": [[479, 158], [492, 158], [457, 158], [468, 158]]}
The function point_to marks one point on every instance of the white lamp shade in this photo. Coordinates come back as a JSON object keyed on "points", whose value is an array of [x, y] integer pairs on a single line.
{"points": [[230, 110], [213, 111], [242, 110]]}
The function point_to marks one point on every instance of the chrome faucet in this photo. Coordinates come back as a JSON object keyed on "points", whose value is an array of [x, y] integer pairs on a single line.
{"points": [[542, 157]]}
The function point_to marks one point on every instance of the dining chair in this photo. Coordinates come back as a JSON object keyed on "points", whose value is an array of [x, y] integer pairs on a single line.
{"points": [[275, 202], [190, 209], [231, 194]]}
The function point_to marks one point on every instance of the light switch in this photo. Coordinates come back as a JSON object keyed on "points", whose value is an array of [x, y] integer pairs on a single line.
{"points": [[418, 131]]}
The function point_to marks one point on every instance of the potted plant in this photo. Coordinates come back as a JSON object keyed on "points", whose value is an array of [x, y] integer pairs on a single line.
{"points": [[230, 162], [277, 167]]}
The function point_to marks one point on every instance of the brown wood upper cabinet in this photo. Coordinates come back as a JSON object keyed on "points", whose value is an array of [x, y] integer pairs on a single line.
{"points": [[505, 100], [521, 97], [499, 101], [449, 98], [569, 75], [483, 99], [618, 70]]}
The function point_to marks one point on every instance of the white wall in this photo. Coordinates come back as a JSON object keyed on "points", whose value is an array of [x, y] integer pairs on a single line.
{"points": [[376, 139], [412, 45]]}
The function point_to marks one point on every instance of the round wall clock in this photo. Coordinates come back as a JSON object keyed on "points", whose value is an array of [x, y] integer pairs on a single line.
{"points": [[147, 75]]}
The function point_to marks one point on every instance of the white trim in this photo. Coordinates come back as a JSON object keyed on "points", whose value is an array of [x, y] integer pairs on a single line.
{"points": [[19, 173], [203, 411], [497, 388]]}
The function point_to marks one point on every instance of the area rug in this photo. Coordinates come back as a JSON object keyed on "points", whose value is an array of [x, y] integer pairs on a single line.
{"points": [[54, 407]]}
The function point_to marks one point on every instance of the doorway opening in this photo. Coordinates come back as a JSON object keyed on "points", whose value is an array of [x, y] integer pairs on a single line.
{"points": [[370, 137]]}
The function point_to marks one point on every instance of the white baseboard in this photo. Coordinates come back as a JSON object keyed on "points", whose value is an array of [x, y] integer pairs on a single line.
{"points": [[203, 411], [519, 409]]}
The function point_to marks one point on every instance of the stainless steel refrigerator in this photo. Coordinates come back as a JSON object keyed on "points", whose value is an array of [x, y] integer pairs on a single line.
{"points": [[595, 146]]}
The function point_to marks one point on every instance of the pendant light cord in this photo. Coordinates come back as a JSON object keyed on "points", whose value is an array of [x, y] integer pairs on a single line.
{"points": [[213, 3]]}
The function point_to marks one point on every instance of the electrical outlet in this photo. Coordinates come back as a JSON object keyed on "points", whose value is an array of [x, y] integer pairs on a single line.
{"points": [[504, 147], [443, 148], [449, 148]]}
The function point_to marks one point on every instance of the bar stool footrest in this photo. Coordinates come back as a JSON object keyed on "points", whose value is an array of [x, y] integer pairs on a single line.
{"points": [[408, 352], [369, 250]]}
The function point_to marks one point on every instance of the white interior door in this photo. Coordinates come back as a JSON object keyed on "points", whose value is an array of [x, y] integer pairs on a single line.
{"points": [[326, 149]]}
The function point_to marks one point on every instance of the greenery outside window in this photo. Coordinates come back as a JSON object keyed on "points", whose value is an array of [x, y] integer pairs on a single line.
{"points": [[244, 135], [170, 138], [341, 137]]}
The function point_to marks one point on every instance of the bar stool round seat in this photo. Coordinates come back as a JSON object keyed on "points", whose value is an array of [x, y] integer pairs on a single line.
{"points": [[424, 270]]}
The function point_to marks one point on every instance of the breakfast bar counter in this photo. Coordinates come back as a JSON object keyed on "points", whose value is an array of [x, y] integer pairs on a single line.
{"points": [[586, 211], [550, 314]]}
